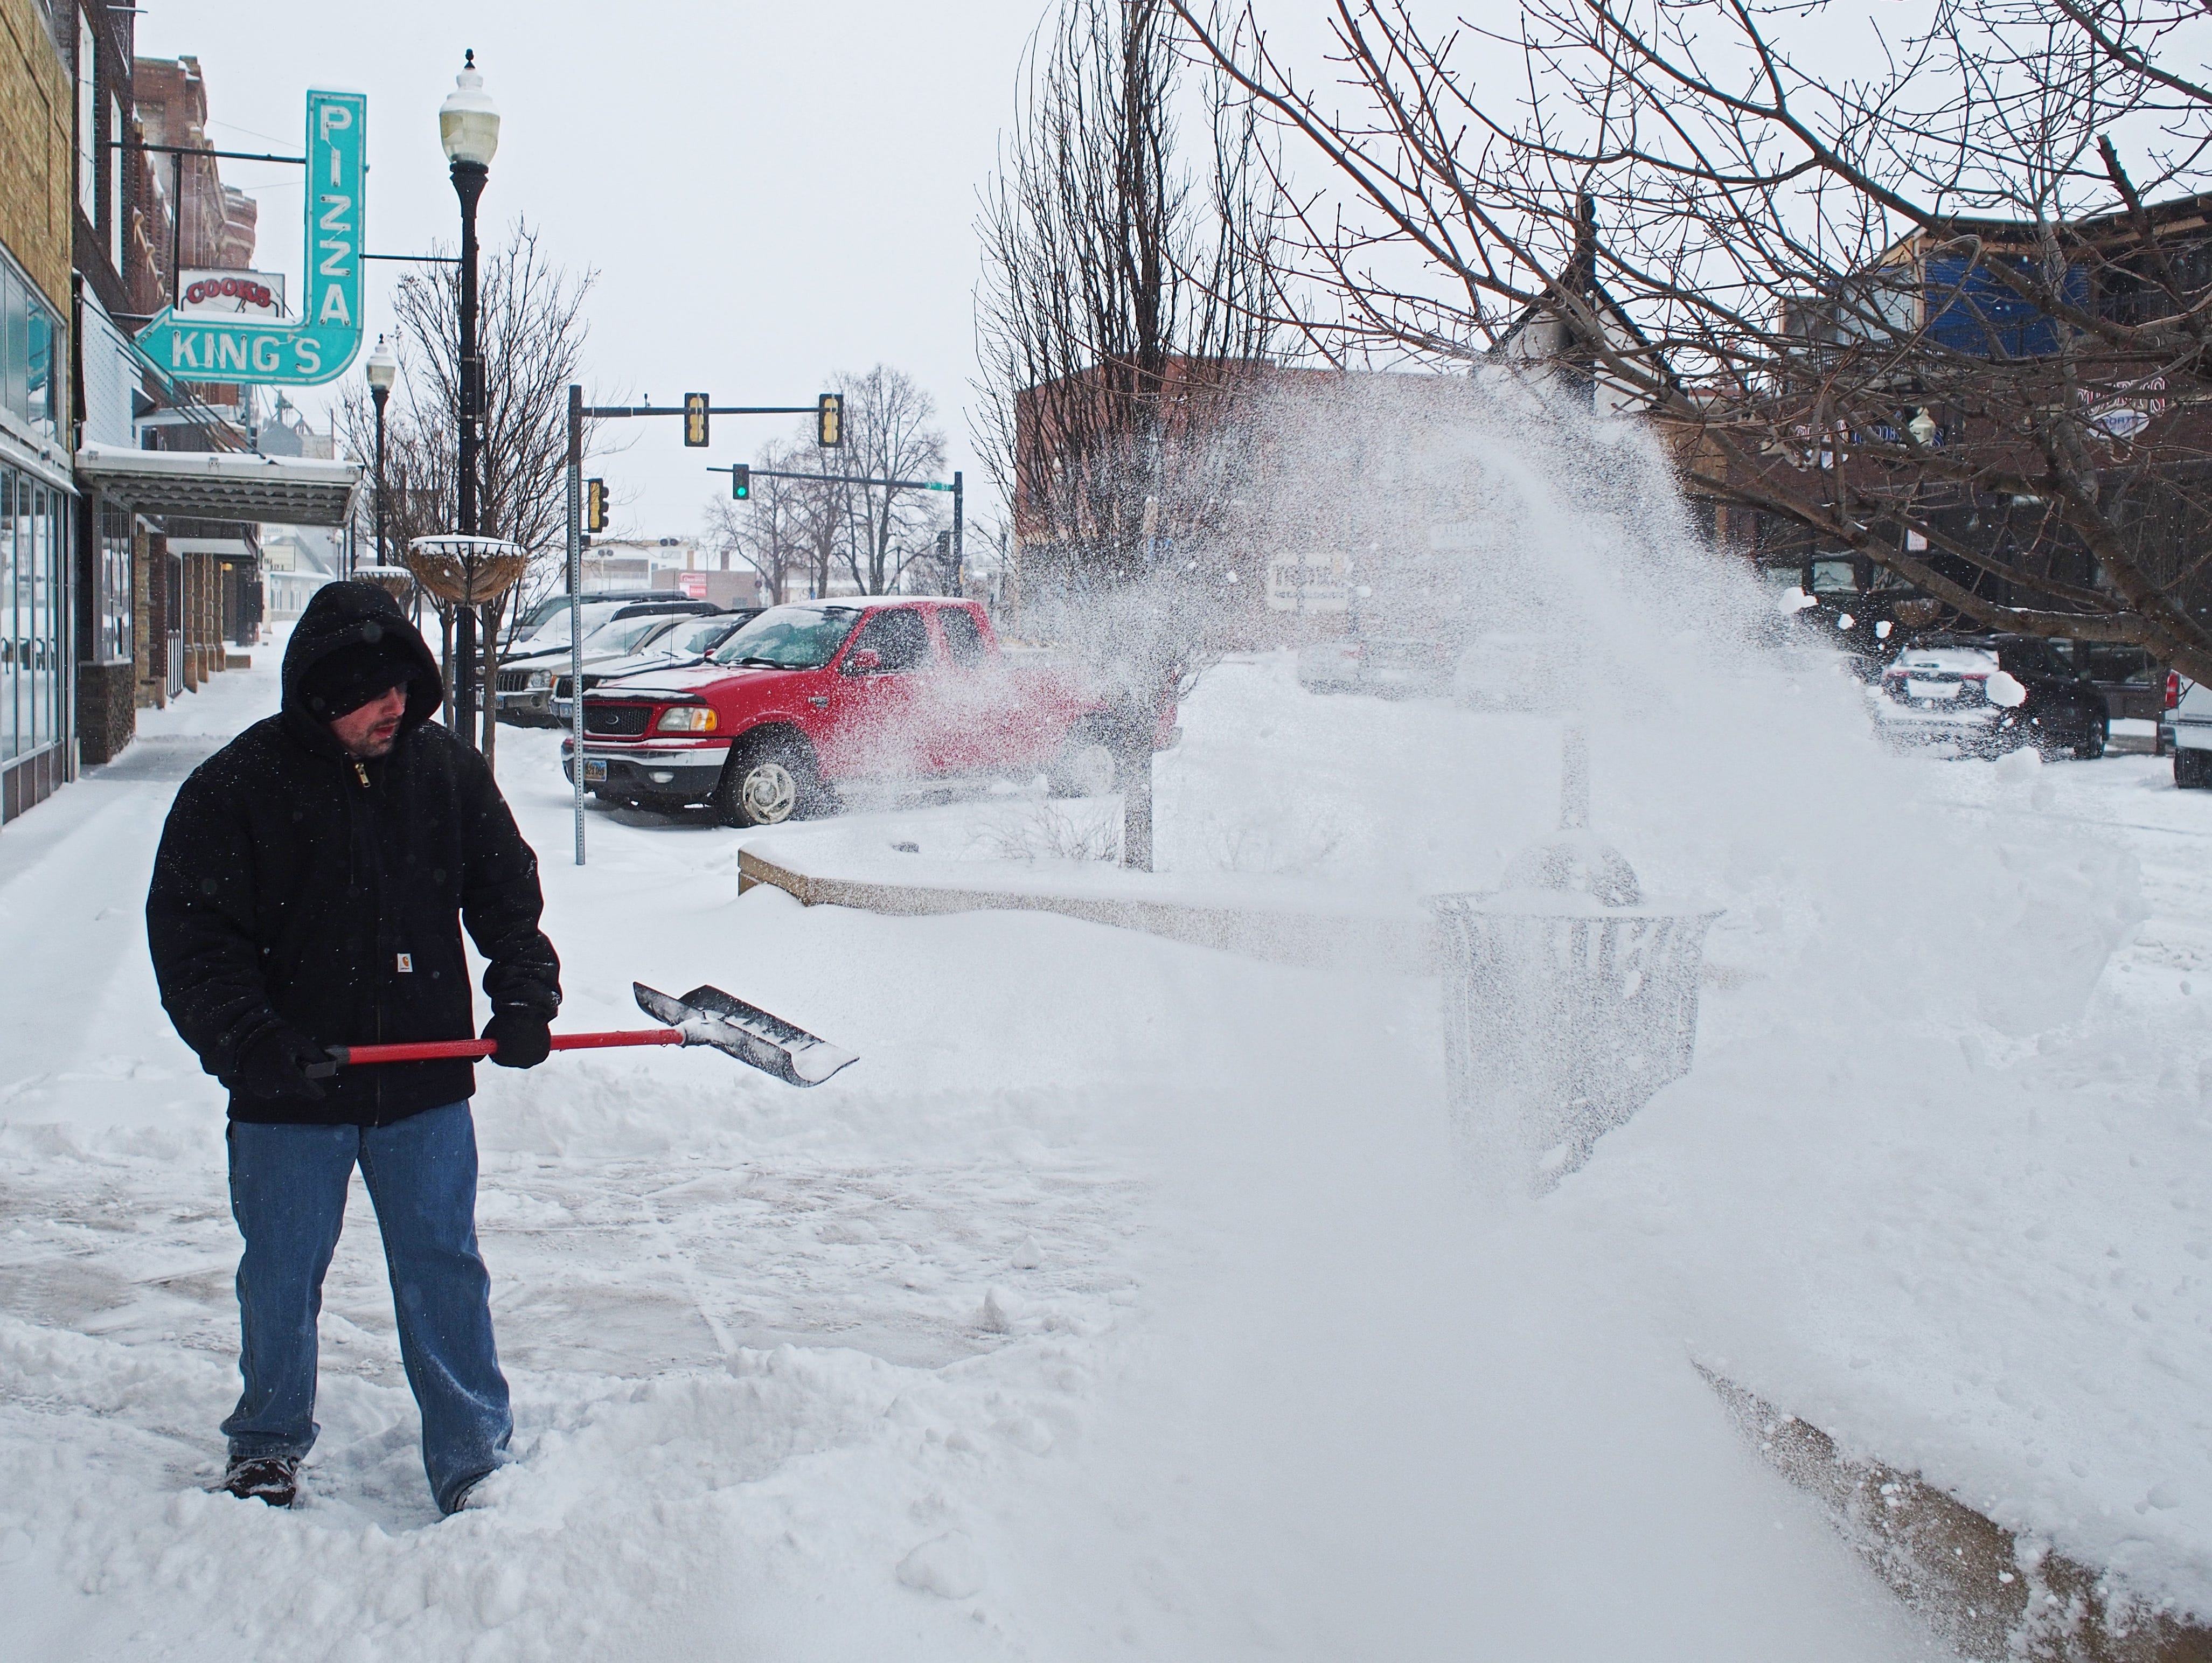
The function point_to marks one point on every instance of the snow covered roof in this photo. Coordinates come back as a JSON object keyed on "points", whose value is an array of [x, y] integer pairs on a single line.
{"points": [[223, 485]]}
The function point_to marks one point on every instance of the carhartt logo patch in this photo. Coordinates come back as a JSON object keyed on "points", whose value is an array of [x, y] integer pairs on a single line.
{"points": [[407, 964]]}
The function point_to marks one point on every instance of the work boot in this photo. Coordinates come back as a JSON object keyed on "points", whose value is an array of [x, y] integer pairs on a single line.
{"points": [[274, 1479]]}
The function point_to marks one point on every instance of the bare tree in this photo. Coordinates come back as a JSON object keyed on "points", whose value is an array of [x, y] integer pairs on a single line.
{"points": [[531, 330], [890, 434], [1123, 304], [1124, 310], [770, 531], [1934, 320]]}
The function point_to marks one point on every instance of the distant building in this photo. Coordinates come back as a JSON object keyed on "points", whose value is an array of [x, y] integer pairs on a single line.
{"points": [[295, 562], [286, 432]]}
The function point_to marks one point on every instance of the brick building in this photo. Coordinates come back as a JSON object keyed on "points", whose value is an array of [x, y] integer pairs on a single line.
{"points": [[37, 495]]}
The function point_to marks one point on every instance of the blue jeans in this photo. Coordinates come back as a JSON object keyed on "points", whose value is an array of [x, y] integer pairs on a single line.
{"points": [[287, 1192]]}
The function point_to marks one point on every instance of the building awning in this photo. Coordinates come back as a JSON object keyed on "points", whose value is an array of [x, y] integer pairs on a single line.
{"points": [[285, 490]]}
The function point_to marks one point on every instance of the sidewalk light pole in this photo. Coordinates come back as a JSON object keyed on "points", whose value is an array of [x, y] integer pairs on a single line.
{"points": [[467, 125], [383, 370]]}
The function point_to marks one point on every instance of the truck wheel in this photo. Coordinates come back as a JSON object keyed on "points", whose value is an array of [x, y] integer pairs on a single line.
{"points": [[1085, 768], [764, 783], [2192, 769], [2094, 735]]}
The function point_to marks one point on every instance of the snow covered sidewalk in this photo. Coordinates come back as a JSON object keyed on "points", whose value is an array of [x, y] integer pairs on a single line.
{"points": [[1107, 1307], [1122, 1300]]}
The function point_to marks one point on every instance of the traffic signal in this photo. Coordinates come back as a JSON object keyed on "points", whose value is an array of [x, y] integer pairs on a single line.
{"points": [[595, 504], [830, 421], [694, 418], [741, 483]]}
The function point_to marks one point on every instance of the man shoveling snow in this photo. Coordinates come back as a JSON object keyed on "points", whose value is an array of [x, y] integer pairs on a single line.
{"points": [[309, 889]]}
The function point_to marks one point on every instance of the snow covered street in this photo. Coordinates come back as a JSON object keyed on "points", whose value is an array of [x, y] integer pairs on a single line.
{"points": [[1122, 1299]]}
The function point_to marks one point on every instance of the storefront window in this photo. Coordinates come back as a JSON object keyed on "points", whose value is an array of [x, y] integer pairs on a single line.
{"points": [[15, 346], [30, 345], [37, 597], [113, 642], [33, 551], [9, 678]]}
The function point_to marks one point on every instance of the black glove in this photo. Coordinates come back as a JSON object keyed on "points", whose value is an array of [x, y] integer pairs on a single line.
{"points": [[276, 1064], [524, 1040]]}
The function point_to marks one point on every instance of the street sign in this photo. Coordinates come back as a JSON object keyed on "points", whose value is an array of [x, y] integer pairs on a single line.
{"points": [[256, 294], [322, 343]]}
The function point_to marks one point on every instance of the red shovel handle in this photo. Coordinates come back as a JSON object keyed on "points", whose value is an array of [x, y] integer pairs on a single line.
{"points": [[422, 1050]]}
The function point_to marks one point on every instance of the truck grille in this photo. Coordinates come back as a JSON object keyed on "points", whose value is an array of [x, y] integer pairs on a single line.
{"points": [[514, 681], [622, 722]]}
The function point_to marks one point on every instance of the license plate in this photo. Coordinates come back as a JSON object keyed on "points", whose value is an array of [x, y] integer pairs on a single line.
{"points": [[593, 771], [1931, 689]]}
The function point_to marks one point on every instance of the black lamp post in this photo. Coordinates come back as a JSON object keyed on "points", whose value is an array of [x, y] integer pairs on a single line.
{"points": [[468, 125], [383, 369]]}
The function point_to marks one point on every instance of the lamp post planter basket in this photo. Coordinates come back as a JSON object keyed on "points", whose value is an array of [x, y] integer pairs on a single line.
{"points": [[470, 571]]}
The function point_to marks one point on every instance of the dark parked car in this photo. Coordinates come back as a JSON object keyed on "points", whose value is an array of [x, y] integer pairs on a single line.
{"points": [[525, 685], [1988, 694], [687, 644]]}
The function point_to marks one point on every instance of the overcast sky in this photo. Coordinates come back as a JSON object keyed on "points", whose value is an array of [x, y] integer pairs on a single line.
{"points": [[769, 193]]}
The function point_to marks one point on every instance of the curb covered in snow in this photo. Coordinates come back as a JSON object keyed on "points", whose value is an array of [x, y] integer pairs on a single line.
{"points": [[1988, 1593], [1280, 934]]}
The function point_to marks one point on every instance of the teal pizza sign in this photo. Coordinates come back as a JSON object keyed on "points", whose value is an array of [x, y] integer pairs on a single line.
{"points": [[322, 341]]}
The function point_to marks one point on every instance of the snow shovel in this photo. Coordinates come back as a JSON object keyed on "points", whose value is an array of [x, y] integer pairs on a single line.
{"points": [[705, 1016]]}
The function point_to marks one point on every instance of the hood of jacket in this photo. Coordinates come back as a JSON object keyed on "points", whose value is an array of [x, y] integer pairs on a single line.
{"points": [[348, 614]]}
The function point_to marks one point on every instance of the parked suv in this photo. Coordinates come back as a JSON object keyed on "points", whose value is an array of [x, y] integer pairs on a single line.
{"points": [[525, 624], [1939, 689]]}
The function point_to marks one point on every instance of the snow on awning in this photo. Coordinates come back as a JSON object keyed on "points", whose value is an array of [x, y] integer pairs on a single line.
{"points": [[286, 490]]}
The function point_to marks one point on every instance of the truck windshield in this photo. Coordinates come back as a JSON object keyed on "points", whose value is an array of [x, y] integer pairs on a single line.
{"points": [[791, 637]]}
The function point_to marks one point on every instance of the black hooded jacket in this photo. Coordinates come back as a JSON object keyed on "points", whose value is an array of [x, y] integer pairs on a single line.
{"points": [[296, 886]]}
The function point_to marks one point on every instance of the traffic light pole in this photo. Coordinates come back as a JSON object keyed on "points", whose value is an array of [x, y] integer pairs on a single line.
{"points": [[576, 603], [828, 410], [959, 515]]}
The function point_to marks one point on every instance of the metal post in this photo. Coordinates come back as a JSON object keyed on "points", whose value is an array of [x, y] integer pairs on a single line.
{"points": [[576, 603], [468, 184], [379, 395], [176, 227], [959, 524], [1574, 779]]}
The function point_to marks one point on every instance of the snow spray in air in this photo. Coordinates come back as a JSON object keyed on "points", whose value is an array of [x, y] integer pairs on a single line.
{"points": [[1371, 1418]]}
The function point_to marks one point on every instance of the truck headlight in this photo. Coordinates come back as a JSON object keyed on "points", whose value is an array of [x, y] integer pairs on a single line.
{"points": [[540, 679], [687, 719]]}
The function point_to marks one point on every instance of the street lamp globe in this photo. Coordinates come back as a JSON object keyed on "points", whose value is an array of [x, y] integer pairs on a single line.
{"points": [[468, 121], [382, 368]]}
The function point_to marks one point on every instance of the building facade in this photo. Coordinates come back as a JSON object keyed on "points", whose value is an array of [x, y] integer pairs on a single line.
{"points": [[127, 572], [37, 496]]}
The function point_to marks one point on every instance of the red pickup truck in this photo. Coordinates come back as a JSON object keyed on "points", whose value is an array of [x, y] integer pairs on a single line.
{"points": [[813, 695]]}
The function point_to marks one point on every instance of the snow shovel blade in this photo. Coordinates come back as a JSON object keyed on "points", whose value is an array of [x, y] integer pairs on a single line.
{"points": [[707, 1015]]}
